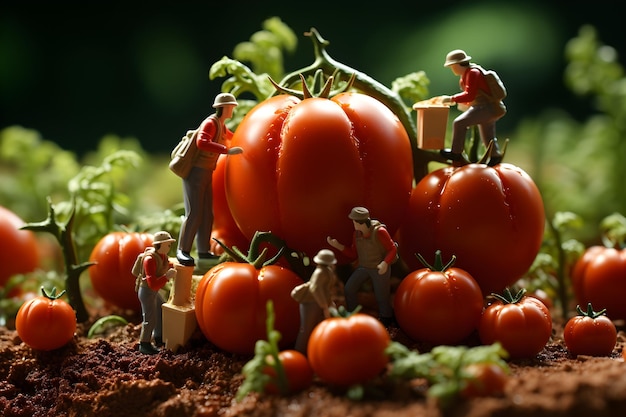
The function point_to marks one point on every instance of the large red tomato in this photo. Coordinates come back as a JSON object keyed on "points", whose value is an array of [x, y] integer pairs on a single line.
{"points": [[438, 304], [599, 278], [306, 163], [491, 218], [111, 276], [224, 227], [231, 304], [20, 250]]}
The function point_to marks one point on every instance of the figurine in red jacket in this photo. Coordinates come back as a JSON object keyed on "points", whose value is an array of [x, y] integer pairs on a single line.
{"points": [[157, 270]]}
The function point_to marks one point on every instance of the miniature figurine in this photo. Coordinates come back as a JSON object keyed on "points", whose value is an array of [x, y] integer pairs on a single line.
{"points": [[315, 297], [482, 97], [211, 138], [376, 251], [156, 271]]}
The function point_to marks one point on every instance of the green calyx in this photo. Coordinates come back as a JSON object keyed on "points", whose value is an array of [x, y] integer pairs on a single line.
{"points": [[52, 295], [256, 257], [507, 297], [438, 265], [319, 87], [590, 313]]}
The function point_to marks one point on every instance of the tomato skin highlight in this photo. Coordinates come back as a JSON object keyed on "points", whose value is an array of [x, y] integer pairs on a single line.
{"points": [[598, 278], [231, 303], [442, 308], [347, 351], [20, 249], [491, 218], [585, 335], [45, 324], [306, 163], [111, 276], [522, 328]]}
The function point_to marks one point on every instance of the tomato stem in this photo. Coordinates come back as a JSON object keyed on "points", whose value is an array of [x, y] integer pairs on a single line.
{"points": [[508, 297], [590, 313], [52, 295], [438, 266]]}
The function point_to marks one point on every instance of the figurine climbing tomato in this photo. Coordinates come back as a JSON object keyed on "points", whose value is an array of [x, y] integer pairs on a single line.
{"points": [[46, 322], [231, 302], [346, 351], [491, 218], [598, 278], [308, 162], [438, 304], [114, 256], [20, 250], [590, 333], [521, 324]]}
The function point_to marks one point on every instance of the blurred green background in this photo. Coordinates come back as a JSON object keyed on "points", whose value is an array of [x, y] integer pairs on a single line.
{"points": [[78, 72]]}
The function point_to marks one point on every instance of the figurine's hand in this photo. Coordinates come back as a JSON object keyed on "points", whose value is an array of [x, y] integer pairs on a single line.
{"points": [[334, 243], [235, 150], [447, 100], [171, 273], [382, 267]]}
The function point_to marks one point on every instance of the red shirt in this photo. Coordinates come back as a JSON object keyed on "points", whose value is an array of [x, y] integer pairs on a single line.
{"points": [[155, 280], [471, 81], [206, 140], [385, 239]]}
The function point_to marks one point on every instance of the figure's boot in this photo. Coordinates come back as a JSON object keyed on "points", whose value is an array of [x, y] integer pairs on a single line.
{"points": [[147, 348]]}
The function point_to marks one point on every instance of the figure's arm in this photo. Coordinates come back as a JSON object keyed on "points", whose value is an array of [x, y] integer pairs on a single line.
{"points": [[471, 87], [150, 267], [388, 243], [205, 138]]}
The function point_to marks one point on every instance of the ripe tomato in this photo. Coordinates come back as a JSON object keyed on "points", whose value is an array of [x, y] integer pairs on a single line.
{"points": [[297, 370], [45, 322], [306, 163], [522, 324], [598, 278], [348, 351], [483, 380], [231, 305], [491, 218], [224, 227], [590, 333], [111, 276], [20, 250], [438, 304]]}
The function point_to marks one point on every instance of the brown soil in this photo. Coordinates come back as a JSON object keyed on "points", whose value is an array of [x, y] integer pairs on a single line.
{"points": [[107, 376]]}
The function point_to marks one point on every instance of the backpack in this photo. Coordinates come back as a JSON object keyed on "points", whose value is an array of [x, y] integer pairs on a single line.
{"points": [[137, 269], [498, 91], [184, 153]]}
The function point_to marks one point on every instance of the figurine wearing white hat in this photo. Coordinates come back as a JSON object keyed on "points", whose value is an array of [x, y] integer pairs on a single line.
{"points": [[483, 100], [211, 141], [156, 271]]}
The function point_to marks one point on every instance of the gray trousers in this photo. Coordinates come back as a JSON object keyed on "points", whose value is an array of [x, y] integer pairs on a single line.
{"points": [[380, 283], [484, 116], [198, 222], [151, 302], [310, 316]]}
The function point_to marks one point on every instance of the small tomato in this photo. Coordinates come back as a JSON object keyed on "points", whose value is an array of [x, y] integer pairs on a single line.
{"points": [[111, 276], [438, 304], [297, 370], [347, 351], [598, 278], [483, 380], [20, 250], [522, 324], [590, 333], [46, 322]]}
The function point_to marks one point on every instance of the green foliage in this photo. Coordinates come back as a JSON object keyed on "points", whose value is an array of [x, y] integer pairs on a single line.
{"points": [[412, 87], [578, 166], [443, 367]]}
